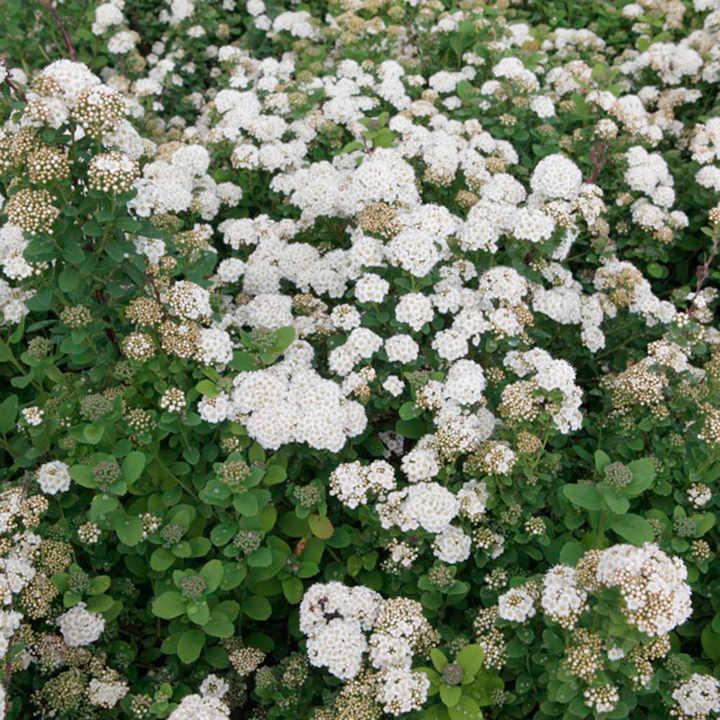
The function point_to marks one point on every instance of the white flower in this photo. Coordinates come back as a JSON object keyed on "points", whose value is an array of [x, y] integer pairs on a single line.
{"points": [[54, 477], [516, 605], [80, 627], [197, 707]]}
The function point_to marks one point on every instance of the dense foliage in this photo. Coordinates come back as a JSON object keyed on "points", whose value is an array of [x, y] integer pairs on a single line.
{"points": [[359, 359]]}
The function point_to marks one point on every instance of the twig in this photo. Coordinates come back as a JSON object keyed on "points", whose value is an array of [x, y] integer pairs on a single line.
{"points": [[702, 272], [598, 158], [109, 332], [6, 683], [48, 5], [13, 87]]}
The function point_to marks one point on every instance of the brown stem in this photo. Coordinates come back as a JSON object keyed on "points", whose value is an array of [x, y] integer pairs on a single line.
{"points": [[703, 272], [14, 87], [598, 158], [48, 5], [8, 673], [151, 281], [109, 332]]}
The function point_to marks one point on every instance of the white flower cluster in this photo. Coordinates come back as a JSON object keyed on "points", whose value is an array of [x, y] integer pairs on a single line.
{"points": [[66, 91], [12, 247], [705, 147], [199, 707], [12, 303], [351, 482], [16, 567], [561, 599], [80, 627], [289, 402], [636, 293], [343, 624], [516, 605], [106, 693], [548, 375], [432, 507], [53, 477], [107, 15], [179, 181], [648, 173], [9, 623], [698, 697], [653, 586]]}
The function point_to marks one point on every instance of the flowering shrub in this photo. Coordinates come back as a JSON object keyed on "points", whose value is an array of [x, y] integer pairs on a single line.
{"points": [[359, 360]]}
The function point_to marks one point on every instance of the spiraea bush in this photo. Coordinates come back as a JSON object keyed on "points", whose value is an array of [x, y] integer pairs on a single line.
{"points": [[359, 360]]}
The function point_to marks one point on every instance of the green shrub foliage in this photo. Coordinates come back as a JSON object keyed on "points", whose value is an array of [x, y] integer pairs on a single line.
{"points": [[359, 360]]}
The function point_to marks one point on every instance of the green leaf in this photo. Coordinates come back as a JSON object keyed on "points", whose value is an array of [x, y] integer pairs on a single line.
{"points": [[133, 466], [128, 224], [412, 429], [198, 612], [190, 645], [257, 607], [82, 475], [92, 433], [262, 557], [601, 460], [643, 477], [711, 643], [161, 559], [409, 410], [571, 552], [616, 502], [223, 534], [633, 528], [584, 496], [291, 525], [68, 280], [292, 590], [206, 387], [8, 413], [383, 138], [657, 270], [219, 626], [99, 603], [320, 526], [92, 228], [484, 686], [470, 659], [212, 573], [41, 301], [274, 475], [450, 694], [435, 712], [101, 505], [703, 522], [282, 339], [243, 362], [351, 147], [466, 709], [233, 575], [199, 546], [169, 605], [439, 660], [465, 90], [129, 529], [98, 585], [246, 504]]}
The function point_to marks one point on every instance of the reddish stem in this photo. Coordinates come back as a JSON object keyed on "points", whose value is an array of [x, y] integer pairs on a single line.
{"points": [[8, 674], [703, 272], [48, 5], [598, 158]]}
